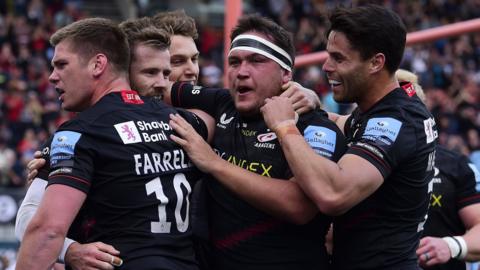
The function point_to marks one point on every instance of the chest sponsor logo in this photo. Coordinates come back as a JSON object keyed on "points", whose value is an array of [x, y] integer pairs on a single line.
{"points": [[321, 139], [128, 132], [142, 131], [63, 148], [248, 133], [382, 129], [430, 129]]}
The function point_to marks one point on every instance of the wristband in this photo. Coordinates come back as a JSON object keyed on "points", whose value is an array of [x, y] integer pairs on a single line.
{"points": [[63, 252], [286, 129], [457, 245], [463, 247], [453, 245]]}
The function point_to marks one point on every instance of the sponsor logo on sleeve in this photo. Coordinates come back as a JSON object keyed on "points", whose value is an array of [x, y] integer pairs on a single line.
{"points": [[477, 175], [321, 139], [128, 132], [63, 148], [382, 130]]}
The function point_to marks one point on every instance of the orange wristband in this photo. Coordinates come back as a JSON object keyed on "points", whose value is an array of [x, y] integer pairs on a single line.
{"points": [[288, 129]]}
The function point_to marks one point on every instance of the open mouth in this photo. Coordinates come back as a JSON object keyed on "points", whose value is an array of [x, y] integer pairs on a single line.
{"points": [[334, 83], [243, 89], [60, 93]]}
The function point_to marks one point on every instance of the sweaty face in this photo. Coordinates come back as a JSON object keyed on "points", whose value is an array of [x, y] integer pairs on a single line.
{"points": [[345, 69], [72, 78], [253, 78], [149, 70], [184, 59]]}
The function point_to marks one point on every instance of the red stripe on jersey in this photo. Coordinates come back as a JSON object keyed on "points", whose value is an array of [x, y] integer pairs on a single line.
{"points": [[474, 197], [72, 177], [374, 156], [245, 234]]}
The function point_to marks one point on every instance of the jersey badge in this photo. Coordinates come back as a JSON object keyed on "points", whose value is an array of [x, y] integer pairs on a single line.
{"points": [[409, 89], [131, 97], [321, 139], [383, 130], [128, 132], [266, 137], [63, 148]]}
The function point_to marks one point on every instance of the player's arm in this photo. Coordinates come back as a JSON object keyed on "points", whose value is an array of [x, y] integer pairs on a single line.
{"points": [[46, 231], [470, 217], [338, 119], [208, 120], [327, 183], [279, 198]]}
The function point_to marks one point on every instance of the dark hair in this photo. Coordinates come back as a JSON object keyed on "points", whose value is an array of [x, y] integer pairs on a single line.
{"points": [[143, 31], [256, 23], [179, 22], [90, 36], [372, 29]]}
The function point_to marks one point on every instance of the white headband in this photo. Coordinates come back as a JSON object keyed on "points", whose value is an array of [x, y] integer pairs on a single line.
{"points": [[264, 47]]}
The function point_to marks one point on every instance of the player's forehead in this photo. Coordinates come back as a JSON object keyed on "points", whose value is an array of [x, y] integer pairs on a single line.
{"points": [[183, 45]]}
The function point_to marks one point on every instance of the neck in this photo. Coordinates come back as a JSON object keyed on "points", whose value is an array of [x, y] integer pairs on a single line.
{"points": [[115, 84], [379, 87]]}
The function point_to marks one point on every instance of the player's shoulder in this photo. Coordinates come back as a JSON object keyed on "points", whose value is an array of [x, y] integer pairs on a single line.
{"points": [[316, 117]]}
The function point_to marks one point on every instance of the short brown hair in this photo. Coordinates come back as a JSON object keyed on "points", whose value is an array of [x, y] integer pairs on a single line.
{"points": [[90, 36], [180, 23], [143, 31]]}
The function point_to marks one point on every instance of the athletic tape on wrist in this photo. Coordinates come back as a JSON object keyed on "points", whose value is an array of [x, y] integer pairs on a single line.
{"points": [[264, 47], [63, 252], [463, 247], [453, 245]]}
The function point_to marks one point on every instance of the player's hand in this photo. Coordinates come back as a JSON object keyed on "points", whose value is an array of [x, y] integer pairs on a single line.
{"points": [[432, 251], [34, 165], [303, 99], [200, 153], [277, 111], [92, 256]]}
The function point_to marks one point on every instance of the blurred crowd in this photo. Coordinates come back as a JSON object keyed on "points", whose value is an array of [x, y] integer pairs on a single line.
{"points": [[449, 69]]}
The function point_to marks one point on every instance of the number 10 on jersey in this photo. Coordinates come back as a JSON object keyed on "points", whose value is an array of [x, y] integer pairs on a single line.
{"points": [[164, 226]]}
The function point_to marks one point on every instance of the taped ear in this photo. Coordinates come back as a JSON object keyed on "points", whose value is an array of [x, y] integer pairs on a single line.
{"points": [[377, 62]]}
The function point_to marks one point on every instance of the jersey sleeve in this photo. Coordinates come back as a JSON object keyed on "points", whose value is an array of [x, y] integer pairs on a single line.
{"points": [[468, 183], [196, 122], [186, 95], [385, 142], [45, 149], [325, 138], [71, 160]]}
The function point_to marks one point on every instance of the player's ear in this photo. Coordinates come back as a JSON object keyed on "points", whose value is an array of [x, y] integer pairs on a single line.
{"points": [[286, 76], [98, 64], [376, 63]]}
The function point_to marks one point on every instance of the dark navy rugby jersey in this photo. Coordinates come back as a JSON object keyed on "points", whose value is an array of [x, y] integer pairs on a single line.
{"points": [[397, 135], [454, 187], [138, 182], [244, 237]]}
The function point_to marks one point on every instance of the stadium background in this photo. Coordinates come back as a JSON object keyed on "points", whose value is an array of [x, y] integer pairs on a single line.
{"points": [[449, 70]]}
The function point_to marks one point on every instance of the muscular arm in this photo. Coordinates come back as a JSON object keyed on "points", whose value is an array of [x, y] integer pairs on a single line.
{"points": [[29, 207], [338, 119], [470, 216], [279, 198], [46, 232], [330, 185]]}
